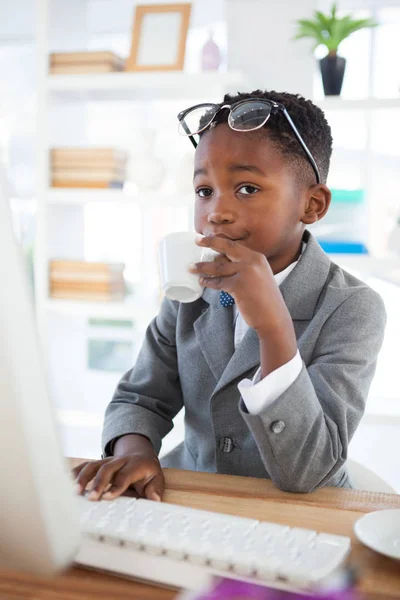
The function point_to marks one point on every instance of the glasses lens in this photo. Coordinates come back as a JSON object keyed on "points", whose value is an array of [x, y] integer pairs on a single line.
{"points": [[196, 120], [249, 115]]}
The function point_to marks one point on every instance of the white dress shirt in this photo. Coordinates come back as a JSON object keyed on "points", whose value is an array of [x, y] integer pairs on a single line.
{"points": [[259, 393]]}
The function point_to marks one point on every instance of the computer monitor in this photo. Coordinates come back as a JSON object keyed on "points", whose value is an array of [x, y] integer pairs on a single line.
{"points": [[39, 521]]}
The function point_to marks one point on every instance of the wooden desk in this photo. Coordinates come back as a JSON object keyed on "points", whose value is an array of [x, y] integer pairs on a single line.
{"points": [[331, 509]]}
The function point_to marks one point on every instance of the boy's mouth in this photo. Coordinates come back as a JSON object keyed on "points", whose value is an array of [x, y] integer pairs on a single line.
{"points": [[227, 237]]}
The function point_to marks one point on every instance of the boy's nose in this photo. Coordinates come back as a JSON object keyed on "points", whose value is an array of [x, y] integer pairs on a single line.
{"points": [[221, 218], [221, 213]]}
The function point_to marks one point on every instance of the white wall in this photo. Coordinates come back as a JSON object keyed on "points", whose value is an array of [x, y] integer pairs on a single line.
{"points": [[260, 44]]}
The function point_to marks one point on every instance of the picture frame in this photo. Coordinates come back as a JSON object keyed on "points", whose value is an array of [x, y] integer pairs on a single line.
{"points": [[159, 37]]}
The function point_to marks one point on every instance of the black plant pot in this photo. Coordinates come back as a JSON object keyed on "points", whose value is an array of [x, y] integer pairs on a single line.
{"points": [[332, 71]]}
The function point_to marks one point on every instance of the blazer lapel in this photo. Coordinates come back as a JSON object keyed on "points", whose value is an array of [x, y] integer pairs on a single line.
{"points": [[245, 358], [302, 288], [214, 332]]}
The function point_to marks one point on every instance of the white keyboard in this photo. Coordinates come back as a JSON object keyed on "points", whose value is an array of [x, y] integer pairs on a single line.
{"points": [[182, 547]]}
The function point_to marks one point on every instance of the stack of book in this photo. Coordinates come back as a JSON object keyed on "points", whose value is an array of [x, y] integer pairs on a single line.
{"points": [[88, 167], [81, 280], [85, 62]]}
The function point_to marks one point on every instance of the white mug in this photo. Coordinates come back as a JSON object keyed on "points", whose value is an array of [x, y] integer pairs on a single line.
{"points": [[176, 252]]}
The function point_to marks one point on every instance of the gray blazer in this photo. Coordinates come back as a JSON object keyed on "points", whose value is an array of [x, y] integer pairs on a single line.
{"points": [[301, 440]]}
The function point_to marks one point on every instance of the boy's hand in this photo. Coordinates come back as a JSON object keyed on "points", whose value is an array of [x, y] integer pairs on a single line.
{"points": [[248, 277], [112, 476]]}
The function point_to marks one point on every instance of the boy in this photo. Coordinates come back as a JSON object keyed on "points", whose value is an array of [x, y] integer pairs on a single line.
{"points": [[273, 364]]}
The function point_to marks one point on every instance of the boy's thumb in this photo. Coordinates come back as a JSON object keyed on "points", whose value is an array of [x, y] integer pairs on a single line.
{"points": [[154, 490]]}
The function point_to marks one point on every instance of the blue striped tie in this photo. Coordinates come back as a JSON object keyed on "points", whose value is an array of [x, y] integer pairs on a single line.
{"points": [[226, 299]]}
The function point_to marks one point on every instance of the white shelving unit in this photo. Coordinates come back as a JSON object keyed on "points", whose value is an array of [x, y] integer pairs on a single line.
{"points": [[101, 310], [338, 103], [143, 86], [115, 87], [60, 216], [65, 196]]}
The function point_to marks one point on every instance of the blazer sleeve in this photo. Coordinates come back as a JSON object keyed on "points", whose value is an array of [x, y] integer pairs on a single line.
{"points": [[148, 396], [303, 436]]}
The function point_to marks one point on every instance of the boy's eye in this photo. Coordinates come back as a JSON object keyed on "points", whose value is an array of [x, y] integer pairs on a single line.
{"points": [[204, 192], [248, 190]]}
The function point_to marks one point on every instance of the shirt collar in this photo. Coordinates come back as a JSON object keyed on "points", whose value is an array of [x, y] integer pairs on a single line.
{"points": [[280, 277]]}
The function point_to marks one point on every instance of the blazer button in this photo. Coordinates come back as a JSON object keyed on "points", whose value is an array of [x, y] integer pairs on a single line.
{"points": [[277, 426], [226, 444]]}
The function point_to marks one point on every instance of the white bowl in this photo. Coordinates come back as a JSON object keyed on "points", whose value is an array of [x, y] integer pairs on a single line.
{"points": [[380, 531]]}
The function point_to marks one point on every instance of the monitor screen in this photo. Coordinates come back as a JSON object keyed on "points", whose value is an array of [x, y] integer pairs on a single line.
{"points": [[39, 521]]}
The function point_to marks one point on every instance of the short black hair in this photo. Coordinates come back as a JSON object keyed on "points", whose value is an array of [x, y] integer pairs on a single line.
{"points": [[310, 122]]}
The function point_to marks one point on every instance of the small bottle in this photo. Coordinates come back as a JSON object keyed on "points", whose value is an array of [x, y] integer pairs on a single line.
{"points": [[210, 55]]}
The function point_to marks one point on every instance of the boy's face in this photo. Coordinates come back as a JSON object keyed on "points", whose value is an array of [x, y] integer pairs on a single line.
{"points": [[247, 191]]}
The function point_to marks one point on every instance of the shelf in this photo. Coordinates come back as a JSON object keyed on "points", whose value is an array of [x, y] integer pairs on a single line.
{"points": [[132, 86], [101, 310], [337, 103], [387, 269], [172, 85], [81, 196]]}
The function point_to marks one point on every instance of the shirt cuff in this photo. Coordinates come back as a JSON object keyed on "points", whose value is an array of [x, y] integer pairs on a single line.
{"points": [[259, 393]]}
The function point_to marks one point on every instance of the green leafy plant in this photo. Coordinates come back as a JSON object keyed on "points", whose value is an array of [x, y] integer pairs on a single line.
{"points": [[330, 30]]}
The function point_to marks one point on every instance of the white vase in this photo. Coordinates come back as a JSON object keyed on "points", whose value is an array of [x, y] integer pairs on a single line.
{"points": [[210, 55]]}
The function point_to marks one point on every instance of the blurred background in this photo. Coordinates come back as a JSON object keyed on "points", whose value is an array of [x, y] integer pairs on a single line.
{"points": [[97, 173]]}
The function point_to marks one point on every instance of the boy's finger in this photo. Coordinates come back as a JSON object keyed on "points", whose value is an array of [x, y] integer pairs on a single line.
{"points": [[104, 477], [214, 269], [124, 478], [235, 251], [87, 473], [154, 490], [76, 470], [117, 490], [217, 283]]}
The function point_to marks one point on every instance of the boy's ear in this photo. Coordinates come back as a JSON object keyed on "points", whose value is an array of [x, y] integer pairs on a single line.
{"points": [[318, 199]]}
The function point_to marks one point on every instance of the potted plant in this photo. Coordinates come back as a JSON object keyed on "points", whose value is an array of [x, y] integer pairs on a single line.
{"points": [[330, 31]]}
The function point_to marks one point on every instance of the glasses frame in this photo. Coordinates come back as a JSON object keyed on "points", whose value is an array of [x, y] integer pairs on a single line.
{"points": [[274, 106]]}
